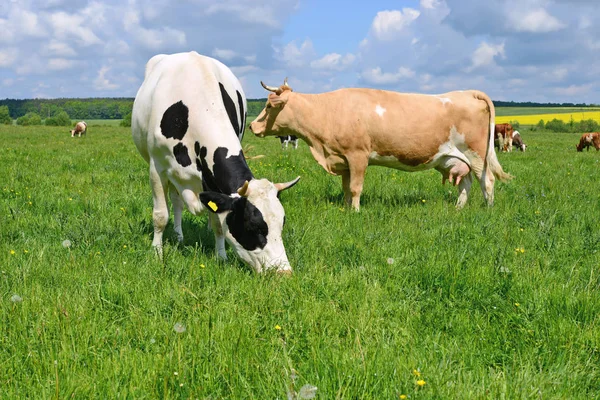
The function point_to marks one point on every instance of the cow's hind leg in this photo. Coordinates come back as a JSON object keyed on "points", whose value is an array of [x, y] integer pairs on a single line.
{"points": [[486, 181], [346, 187], [160, 211], [177, 211]]}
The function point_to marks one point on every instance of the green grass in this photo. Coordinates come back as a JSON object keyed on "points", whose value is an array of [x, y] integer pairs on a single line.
{"points": [[456, 301]]}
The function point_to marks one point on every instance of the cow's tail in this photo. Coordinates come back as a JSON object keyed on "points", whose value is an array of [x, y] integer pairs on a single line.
{"points": [[491, 160]]}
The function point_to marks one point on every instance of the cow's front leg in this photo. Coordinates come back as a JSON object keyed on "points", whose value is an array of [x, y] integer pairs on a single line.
{"points": [[160, 211], [177, 211], [358, 167], [346, 187], [219, 237]]}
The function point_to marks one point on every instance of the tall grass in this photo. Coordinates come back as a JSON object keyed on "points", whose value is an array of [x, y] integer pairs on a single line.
{"points": [[497, 302]]}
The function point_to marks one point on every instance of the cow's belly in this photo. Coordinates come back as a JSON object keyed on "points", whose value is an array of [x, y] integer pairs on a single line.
{"points": [[396, 163]]}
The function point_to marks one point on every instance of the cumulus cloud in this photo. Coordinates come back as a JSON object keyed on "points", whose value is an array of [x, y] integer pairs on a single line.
{"points": [[485, 54], [102, 82], [376, 76], [536, 21], [334, 61], [387, 24]]}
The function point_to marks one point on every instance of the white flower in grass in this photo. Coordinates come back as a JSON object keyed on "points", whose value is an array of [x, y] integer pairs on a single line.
{"points": [[152, 341], [390, 261], [66, 243], [307, 391], [15, 298], [179, 327]]}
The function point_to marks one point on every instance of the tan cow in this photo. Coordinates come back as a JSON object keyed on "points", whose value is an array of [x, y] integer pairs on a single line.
{"points": [[589, 139], [503, 136], [80, 129], [350, 129]]}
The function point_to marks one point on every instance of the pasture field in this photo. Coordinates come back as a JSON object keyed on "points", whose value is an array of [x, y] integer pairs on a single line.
{"points": [[409, 297]]}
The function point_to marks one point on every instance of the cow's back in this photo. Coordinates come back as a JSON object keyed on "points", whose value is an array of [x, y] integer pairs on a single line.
{"points": [[185, 99], [410, 127]]}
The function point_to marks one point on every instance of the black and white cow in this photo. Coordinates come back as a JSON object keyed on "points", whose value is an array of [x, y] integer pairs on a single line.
{"points": [[288, 139], [187, 122]]}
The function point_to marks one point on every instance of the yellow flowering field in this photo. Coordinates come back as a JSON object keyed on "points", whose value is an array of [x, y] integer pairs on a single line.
{"points": [[535, 118]]}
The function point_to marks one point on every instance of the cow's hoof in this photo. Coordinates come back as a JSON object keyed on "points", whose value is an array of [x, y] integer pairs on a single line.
{"points": [[284, 272]]}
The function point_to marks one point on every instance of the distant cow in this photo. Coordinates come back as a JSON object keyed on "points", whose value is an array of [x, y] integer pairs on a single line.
{"points": [[589, 139], [350, 129], [503, 137], [188, 120], [288, 139], [80, 129], [517, 141]]}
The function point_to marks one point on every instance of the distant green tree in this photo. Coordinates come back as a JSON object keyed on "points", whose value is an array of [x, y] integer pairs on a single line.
{"points": [[60, 119], [541, 124], [126, 119], [30, 118], [557, 125], [5, 116]]}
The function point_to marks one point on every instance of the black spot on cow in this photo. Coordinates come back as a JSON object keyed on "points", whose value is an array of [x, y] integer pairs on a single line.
{"points": [[242, 114], [228, 173], [197, 151], [174, 123], [230, 108], [247, 225], [181, 155]]}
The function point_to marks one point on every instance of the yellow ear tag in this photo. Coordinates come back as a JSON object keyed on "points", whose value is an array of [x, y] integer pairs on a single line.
{"points": [[212, 205]]}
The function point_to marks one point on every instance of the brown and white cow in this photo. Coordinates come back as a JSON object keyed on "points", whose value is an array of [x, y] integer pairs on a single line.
{"points": [[350, 129], [503, 136], [80, 129], [589, 139], [517, 141]]}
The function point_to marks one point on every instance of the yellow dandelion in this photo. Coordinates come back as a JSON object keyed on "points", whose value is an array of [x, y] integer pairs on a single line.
{"points": [[423, 200], [402, 397], [124, 246], [416, 372], [29, 203], [522, 250], [25, 251], [277, 328], [202, 266], [517, 304], [421, 383], [521, 229], [70, 199], [12, 252]]}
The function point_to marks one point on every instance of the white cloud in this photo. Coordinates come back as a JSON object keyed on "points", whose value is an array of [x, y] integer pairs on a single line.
{"points": [[224, 54], [102, 82], [294, 56], [376, 76], [71, 27], [334, 61], [58, 64], [153, 39], [387, 24], [58, 48], [574, 90], [536, 21], [8, 56], [430, 4], [485, 55]]}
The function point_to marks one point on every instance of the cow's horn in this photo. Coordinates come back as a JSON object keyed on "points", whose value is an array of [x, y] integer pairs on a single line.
{"points": [[269, 88], [285, 83], [287, 185], [243, 191]]}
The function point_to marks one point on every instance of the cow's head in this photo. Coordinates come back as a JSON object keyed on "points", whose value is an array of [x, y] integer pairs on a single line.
{"points": [[252, 222], [273, 119]]}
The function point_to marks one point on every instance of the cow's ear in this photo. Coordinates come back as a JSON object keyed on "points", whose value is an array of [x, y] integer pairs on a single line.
{"points": [[276, 100], [216, 202]]}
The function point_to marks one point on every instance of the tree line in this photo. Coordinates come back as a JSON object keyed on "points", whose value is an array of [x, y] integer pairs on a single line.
{"points": [[59, 111]]}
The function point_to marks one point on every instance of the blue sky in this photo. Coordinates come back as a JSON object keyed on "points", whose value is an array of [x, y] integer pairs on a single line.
{"points": [[521, 50]]}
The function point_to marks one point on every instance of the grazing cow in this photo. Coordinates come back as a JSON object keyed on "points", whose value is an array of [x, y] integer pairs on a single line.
{"points": [[80, 129], [589, 139], [350, 129], [517, 141], [503, 136], [288, 139], [187, 122]]}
